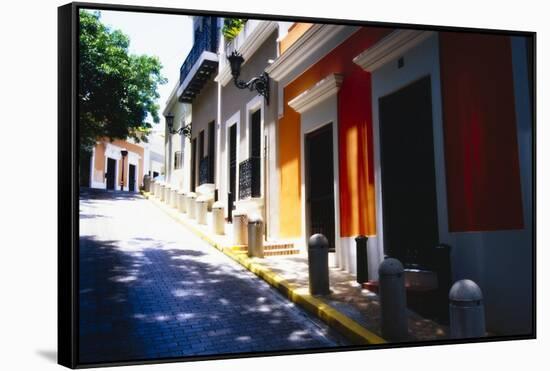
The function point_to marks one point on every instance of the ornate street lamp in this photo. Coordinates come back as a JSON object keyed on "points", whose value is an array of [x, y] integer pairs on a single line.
{"points": [[170, 122], [124, 153], [183, 130], [260, 83]]}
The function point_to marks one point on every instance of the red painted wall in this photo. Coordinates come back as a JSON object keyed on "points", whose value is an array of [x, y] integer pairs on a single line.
{"points": [[481, 151], [357, 204], [357, 200]]}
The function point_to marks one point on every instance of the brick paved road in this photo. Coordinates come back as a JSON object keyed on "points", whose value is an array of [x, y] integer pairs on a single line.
{"points": [[150, 289]]}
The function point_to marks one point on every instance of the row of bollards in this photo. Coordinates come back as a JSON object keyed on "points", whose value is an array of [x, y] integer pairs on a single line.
{"points": [[247, 230], [466, 311]]}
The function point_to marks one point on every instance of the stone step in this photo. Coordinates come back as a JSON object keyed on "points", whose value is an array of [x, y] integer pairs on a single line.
{"points": [[279, 252], [267, 246], [271, 249]]}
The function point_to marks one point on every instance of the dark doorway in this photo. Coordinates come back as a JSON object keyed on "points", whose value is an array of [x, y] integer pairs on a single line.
{"points": [[201, 145], [85, 169], [232, 169], [193, 164], [256, 153], [320, 183], [408, 174], [110, 175], [211, 149], [132, 178]]}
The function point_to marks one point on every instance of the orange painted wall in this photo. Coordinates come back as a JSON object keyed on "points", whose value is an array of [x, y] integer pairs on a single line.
{"points": [[131, 148], [294, 33], [99, 159], [100, 166], [357, 211]]}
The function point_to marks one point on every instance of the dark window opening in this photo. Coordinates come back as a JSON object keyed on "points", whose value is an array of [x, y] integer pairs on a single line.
{"points": [[193, 164], [178, 160], [211, 148]]}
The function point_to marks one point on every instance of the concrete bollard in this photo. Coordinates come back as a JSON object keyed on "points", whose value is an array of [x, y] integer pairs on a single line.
{"points": [[152, 184], [167, 194], [466, 311], [161, 191], [191, 197], [180, 200], [218, 218], [255, 236], [167, 191], [201, 209], [393, 300], [240, 231], [317, 257], [362, 259], [155, 188], [147, 183], [174, 197]]}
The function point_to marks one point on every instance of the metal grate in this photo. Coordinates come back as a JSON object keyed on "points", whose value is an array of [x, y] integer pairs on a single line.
{"points": [[250, 178], [204, 170]]}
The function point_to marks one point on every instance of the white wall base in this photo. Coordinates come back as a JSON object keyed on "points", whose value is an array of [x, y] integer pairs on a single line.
{"points": [[346, 256], [98, 185], [251, 206]]}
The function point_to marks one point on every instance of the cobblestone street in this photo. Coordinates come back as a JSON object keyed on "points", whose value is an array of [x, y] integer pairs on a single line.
{"points": [[150, 289]]}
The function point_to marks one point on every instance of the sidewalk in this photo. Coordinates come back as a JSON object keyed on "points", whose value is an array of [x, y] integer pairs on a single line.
{"points": [[353, 311]]}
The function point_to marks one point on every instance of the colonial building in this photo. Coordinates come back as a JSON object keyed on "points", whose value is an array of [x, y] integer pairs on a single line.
{"points": [[154, 152], [421, 141], [198, 89], [248, 130], [117, 165], [176, 145]]}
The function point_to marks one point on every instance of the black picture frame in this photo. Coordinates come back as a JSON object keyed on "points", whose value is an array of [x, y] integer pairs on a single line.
{"points": [[68, 188]]}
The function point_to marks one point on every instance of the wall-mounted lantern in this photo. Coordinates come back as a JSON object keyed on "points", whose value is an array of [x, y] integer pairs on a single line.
{"points": [[260, 83], [183, 130]]}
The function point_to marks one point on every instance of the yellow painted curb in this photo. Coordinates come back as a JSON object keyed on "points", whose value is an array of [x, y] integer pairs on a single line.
{"points": [[299, 295]]}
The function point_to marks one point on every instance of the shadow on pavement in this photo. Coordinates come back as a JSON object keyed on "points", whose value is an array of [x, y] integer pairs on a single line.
{"points": [[153, 302]]}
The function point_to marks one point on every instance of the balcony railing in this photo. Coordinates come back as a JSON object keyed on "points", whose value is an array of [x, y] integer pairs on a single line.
{"points": [[250, 178], [205, 40]]}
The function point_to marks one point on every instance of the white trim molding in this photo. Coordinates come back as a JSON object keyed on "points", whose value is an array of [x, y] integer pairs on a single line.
{"points": [[312, 118], [256, 103], [171, 99], [322, 90], [235, 119], [253, 40], [389, 48], [313, 41], [420, 61]]}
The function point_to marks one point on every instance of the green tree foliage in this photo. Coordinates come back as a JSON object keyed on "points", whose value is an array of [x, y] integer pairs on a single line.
{"points": [[117, 90], [232, 27]]}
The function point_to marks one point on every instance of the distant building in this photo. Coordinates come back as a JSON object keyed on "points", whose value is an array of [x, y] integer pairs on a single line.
{"points": [[154, 152], [106, 164]]}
